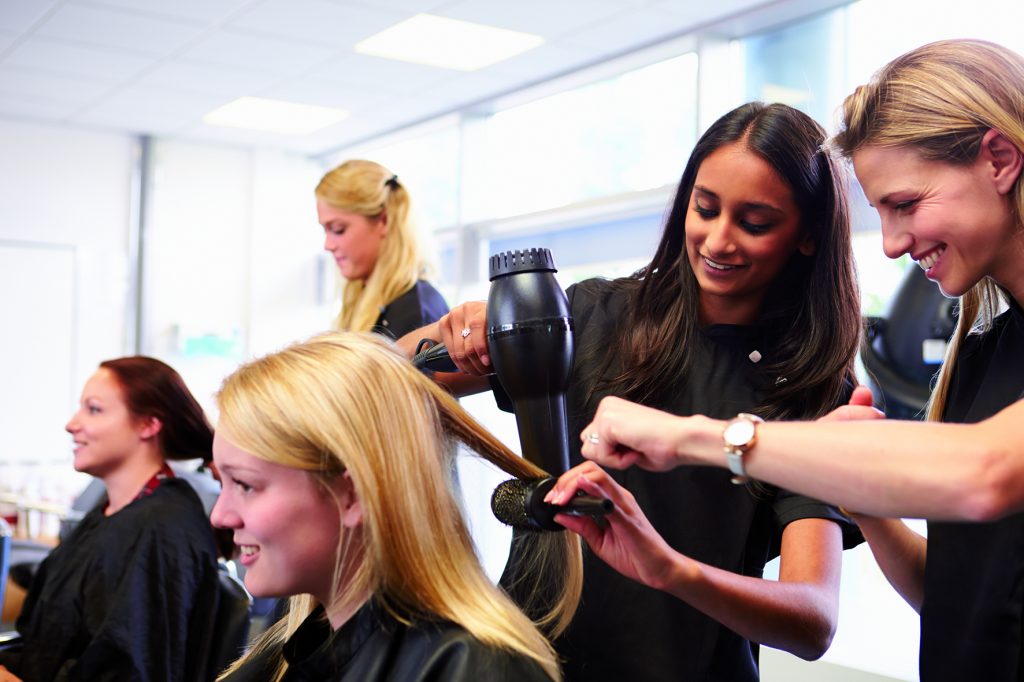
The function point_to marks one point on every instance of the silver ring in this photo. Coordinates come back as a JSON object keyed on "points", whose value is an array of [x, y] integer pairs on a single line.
{"points": [[466, 332], [593, 438]]}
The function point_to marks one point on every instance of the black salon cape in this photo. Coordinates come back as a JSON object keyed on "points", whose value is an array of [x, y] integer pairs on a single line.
{"points": [[972, 616], [129, 597], [417, 307], [624, 630], [373, 646]]}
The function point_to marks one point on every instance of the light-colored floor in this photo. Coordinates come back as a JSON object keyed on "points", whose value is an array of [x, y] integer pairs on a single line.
{"points": [[778, 666]]}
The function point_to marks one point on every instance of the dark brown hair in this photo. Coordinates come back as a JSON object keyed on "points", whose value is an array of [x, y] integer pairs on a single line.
{"points": [[153, 389], [812, 309]]}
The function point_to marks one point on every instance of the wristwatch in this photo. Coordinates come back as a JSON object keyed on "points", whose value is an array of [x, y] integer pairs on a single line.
{"points": [[739, 435]]}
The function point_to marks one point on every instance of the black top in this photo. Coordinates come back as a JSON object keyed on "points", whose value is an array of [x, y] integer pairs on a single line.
{"points": [[131, 596], [417, 307], [972, 616], [624, 630], [374, 646]]}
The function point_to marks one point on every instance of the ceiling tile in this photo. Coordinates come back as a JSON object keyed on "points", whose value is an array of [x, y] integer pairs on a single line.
{"points": [[406, 109], [210, 79], [548, 59], [349, 98], [407, 6], [49, 87], [32, 109], [694, 14], [7, 39], [201, 11], [470, 88], [627, 30], [317, 21], [55, 56], [235, 136], [348, 132], [19, 15], [379, 74], [144, 110], [113, 28], [259, 53]]}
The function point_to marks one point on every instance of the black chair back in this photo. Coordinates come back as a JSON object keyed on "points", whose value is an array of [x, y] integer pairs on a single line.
{"points": [[232, 624]]}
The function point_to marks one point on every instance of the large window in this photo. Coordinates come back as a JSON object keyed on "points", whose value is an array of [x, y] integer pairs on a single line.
{"points": [[427, 160], [625, 134], [798, 65]]}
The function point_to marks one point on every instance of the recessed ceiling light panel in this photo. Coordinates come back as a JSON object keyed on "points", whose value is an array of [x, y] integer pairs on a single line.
{"points": [[447, 43], [274, 115]]}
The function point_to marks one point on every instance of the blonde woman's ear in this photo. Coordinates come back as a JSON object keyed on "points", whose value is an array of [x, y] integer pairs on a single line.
{"points": [[351, 507], [1003, 158]]}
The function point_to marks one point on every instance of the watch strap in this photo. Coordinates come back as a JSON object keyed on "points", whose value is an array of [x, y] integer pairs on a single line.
{"points": [[734, 452], [734, 457]]}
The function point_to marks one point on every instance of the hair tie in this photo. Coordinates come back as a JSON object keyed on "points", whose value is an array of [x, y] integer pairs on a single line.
{"points": [[392, 182]]}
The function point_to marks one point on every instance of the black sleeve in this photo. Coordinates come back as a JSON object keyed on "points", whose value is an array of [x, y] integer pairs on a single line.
{"points": [[789, 507], [416, 308]]}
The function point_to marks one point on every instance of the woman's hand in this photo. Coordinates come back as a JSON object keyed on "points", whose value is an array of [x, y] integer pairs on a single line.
{"points": [[464, 333], [796, 613], [623, 434], [859, 407], [625, 539]]}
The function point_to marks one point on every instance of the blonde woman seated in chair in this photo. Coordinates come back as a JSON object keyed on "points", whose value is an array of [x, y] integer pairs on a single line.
{"points": [[336, 464]]}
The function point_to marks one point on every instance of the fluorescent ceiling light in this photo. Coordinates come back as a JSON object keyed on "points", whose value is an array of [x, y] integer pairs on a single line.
{"points": [[274, 115], [447, 43]]}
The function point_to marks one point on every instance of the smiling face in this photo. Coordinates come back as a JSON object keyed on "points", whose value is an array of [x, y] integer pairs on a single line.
{"points": [[106, 435], [742, 227], [953, 220], [353, 239], [287, 526]]}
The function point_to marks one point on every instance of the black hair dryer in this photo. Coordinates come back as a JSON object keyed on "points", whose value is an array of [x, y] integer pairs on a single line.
{"points": [[530, 341]]}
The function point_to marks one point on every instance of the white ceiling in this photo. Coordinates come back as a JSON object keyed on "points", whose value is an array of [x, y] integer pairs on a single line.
{"points": [[157, 66]]}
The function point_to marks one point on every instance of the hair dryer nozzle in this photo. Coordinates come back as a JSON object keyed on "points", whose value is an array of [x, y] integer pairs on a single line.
{"points": [[435, 358]]}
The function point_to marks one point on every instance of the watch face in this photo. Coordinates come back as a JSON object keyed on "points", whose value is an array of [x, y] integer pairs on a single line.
{"points": [[739, 432]]}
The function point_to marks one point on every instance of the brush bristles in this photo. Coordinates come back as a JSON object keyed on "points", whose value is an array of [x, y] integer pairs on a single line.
{"points": [[508, 503]]}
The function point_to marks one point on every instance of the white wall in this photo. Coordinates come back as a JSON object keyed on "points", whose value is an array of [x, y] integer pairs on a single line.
{"points": [[232, 260], [64, 216]]}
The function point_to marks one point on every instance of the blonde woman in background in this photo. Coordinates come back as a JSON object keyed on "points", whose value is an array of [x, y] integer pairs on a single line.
{"points": [[334, 455], [365, 213], [937, 142]]}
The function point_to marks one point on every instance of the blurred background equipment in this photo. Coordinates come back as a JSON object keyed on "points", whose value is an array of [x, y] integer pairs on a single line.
{"points": [[902, 351]]}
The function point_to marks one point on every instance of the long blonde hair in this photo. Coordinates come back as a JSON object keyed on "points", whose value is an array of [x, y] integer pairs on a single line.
{"points": [[371, 190], [350, 402], [940, 100]]}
